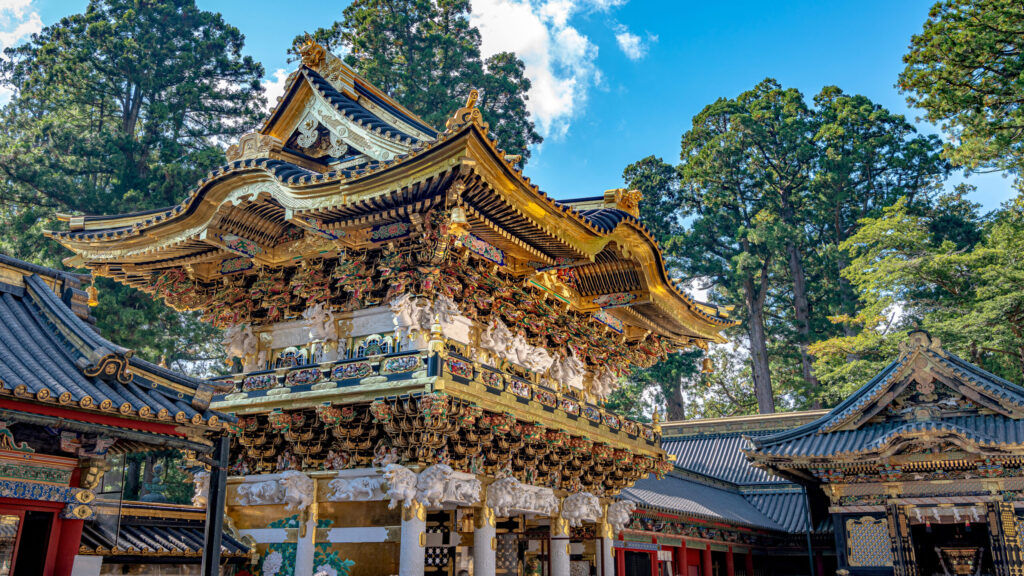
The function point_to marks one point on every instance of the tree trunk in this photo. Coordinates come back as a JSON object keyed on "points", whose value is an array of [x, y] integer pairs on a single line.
{"points": [[758, 345], [802, 311], [675, 405]]}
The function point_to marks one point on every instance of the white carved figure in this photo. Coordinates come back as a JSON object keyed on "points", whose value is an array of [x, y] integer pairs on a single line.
{"points": [[258, 493], [321, 324], [240, 342], [539, 360], [604, 383], [567, 370], [349, 489], [519, 350], [619, 514], [509, 494], [445, 311], [411, 313], [496, 339], [431, 484], [201, 484], [543, 501], [579, 507], [272, 563], [401, 485], [298, 490], [463, 490]]}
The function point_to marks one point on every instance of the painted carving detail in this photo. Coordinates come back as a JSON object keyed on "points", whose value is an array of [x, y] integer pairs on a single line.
{"points": [[321, 324], [201, 484], [241, 342]]}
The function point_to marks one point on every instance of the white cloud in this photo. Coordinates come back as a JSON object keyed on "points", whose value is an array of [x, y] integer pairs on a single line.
{"points": [[18, 21], [274, 88], [632, 45], [561, 61]]}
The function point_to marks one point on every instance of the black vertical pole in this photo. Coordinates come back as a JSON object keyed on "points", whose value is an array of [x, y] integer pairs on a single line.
{"points": [[810, 526], [215, 509]]}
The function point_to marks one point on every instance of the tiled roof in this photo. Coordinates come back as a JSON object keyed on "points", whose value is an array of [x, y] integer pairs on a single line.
{"points": [[682, 496], [108, 535], [718, 456], [787, 509], [48, 353]]}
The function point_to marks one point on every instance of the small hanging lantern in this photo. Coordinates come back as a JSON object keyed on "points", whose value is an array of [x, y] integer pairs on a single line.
{"points": [[94, 295], [459, 221], [706, 366]]}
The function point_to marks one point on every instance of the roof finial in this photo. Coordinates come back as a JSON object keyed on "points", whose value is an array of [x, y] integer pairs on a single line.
{"points": [[312, 53], [467, 114]]}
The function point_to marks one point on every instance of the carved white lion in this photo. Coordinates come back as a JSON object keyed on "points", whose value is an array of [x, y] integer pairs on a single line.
{"points": [[321, 324], [543, 501], [619, 514], [258, 493], [240, 341], [579, 507], [539, 360], [298, 489], [519, 350], [401, 485], [349, 489], [431, 484], [445, 310], [201, 488]]}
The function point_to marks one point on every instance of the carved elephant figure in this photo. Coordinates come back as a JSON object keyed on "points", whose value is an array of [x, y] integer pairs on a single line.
{"points": [[543, 501], [401, 485]]}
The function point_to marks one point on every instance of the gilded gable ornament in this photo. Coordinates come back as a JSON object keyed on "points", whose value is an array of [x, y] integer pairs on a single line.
{"points": [[466, 115], [253, 145]]}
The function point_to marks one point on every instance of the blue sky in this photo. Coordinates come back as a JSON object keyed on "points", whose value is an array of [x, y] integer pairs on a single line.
{"points": [[617, 80]]}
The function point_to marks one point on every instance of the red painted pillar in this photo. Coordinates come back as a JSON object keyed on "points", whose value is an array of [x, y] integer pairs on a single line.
{"points": [[730, 567], [819, 563], [620, 562], [750, 563], [706, 571], [681, 560], [654, 563], [68, 534]]}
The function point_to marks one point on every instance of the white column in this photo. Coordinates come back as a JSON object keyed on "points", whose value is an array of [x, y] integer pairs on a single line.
{"points": [[605, 556], [559, 547], [414, 539], [485, 543], [306, 546]]}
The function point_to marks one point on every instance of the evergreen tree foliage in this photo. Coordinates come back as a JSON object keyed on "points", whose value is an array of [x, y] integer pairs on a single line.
{"points": [[964, 69], [426, 55], [118, 109]]}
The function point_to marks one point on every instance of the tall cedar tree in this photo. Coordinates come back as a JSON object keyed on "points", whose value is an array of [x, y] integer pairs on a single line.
{"points": [[771, 188], [118, 109], [426, 55], [965, 70]]}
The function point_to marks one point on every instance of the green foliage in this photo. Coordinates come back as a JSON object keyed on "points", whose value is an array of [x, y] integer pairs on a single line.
{"points": [[912, 272], [426, 55], [119, 109], [769, 188], [964, 69]]}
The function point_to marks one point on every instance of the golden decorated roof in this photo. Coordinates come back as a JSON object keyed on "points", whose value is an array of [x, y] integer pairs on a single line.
{"points": [[337, 161]]}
